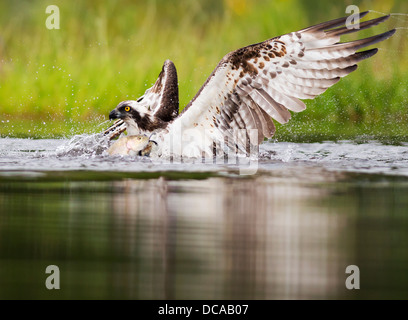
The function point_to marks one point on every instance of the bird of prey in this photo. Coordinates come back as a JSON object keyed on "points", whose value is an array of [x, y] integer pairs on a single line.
{"points": [[234, 108]]}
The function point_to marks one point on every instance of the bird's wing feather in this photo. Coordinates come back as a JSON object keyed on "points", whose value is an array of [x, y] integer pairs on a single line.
{"points": [[162, 98], [267, 79]]}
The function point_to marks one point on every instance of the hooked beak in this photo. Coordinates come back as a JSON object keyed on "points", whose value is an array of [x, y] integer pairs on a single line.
{"points": [[115, 114]]}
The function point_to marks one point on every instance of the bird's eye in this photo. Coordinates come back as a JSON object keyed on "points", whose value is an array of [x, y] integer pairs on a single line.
{"points": [[127, 108]]}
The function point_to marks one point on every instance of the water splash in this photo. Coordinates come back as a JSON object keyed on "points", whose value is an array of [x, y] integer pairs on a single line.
{"points": [[94, 144]]}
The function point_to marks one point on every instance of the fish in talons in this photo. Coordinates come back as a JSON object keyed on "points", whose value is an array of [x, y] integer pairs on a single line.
{"points": [[134, 145]]}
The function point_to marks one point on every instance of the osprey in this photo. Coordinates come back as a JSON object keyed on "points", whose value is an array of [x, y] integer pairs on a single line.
{"points": [[234, 108]]}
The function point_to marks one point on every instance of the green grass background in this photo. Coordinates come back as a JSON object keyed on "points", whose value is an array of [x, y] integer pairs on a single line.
{"points": [[62, 82]]}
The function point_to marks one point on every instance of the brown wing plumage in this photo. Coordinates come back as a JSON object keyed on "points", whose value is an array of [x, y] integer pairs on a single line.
{"points": [[161, 100], [262, 81], [164, 93]]}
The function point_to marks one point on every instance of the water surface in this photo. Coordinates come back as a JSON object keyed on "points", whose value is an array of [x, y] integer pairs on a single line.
{"points": [[135, 228]]}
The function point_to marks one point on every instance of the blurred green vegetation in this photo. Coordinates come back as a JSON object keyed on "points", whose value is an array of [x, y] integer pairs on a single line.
{"points": [[61, 82]]}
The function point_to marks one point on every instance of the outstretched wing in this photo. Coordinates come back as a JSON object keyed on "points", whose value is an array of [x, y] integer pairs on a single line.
{"points": [[262, 81], [162, 98]]}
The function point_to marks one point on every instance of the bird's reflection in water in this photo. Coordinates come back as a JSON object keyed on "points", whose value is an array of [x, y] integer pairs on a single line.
{"points": [[225, 238]]}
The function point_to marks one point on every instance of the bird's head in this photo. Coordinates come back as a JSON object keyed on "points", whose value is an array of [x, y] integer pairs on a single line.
{"points": [[129, 109], [138, 117]]}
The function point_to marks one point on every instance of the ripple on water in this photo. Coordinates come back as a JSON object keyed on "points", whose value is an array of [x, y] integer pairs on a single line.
{"points": [[85, 152]]}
